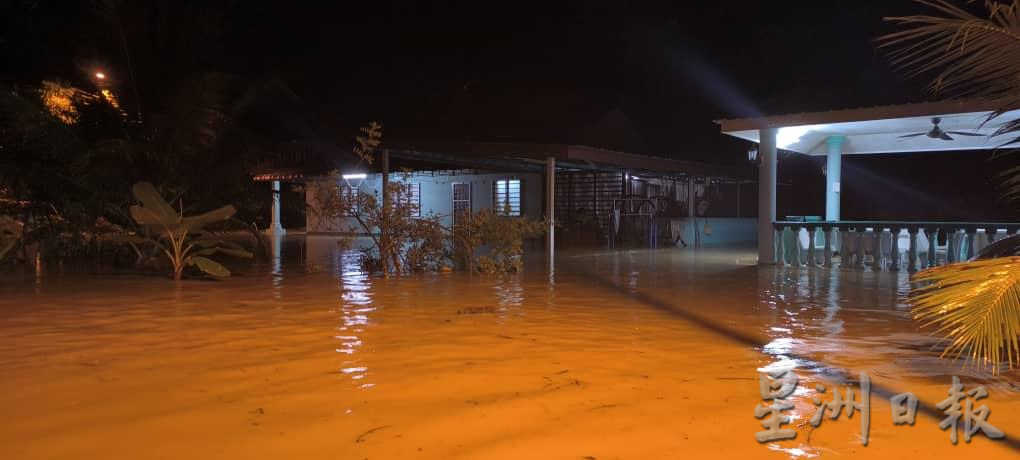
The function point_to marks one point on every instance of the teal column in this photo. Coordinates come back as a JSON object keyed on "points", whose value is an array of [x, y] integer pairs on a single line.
{"points": [[832, 177]]}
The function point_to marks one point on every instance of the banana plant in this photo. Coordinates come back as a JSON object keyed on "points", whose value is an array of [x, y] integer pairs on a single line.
{"points": [[181, 238], [10, 234]]}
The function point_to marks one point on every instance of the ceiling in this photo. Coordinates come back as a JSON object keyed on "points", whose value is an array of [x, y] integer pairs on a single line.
{"points": [[878, 129]]}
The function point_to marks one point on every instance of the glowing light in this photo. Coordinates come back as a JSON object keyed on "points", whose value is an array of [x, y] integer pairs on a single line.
{"points": [[354, 176], [101, 76], [789, 135], [110, 97], [59, 101]]}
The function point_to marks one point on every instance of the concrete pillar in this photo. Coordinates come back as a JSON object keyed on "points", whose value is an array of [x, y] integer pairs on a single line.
{"points": [[952, 249], [274, 226], [550, 211], [811, 246], [692, 217], [970, 252], [832, 177], [894, 264], [384, 237], [912, 251], [767, 196]]}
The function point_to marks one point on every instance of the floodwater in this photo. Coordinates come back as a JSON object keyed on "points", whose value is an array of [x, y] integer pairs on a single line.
{"points": [[627, 354]]}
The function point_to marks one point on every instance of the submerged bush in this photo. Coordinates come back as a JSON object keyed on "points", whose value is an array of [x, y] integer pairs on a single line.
{"points": [[487, 242], [403, 242]]}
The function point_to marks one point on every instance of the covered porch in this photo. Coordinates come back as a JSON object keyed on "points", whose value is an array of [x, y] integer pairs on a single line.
{"points": [[910, 128]]}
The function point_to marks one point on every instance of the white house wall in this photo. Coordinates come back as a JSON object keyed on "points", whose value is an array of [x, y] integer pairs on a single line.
{"points": [[436, 193]]}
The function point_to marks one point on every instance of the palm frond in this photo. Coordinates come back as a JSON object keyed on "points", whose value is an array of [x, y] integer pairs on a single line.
{"points": [[1009, 185], [970, 57], [975, 306], [973, 56]]}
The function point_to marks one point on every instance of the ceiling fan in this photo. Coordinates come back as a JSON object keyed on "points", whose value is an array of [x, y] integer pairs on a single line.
{"points": [[938, 133]]}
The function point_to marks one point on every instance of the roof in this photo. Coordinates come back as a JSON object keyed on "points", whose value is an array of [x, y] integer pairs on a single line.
{"points": [[492, 156], [297, 160], [531, 157], [879, 129]]}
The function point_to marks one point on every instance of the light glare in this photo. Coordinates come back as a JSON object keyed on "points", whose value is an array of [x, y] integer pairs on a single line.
{"points": [[789, 135]]}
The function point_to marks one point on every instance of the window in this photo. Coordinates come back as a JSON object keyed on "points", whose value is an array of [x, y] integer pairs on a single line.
{"points": [[506, 197], [461, 200], [409, 194], [348, 198]]}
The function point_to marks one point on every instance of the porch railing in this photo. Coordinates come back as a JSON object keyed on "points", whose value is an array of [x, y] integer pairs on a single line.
{"points": [[877, 244]]}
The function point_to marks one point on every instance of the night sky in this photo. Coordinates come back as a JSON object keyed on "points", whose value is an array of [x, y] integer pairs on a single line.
{"points": [[645, 77]]}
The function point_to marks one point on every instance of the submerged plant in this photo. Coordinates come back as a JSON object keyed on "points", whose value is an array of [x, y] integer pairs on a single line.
{"points": [[488, 242], [402, 240], [180, 238], [10, 234]]}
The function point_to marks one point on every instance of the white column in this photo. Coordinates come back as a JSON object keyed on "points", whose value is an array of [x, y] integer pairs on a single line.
{"points": [[274, 227], [833, 168], [550, 204], [767, 196]]}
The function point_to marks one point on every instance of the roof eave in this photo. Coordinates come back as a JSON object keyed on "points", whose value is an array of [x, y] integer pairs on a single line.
{"points": [[858, 114]]}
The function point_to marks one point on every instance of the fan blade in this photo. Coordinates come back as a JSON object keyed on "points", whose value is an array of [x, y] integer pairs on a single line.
{"points": [[961, 133], [945, 137], [912, 135]]}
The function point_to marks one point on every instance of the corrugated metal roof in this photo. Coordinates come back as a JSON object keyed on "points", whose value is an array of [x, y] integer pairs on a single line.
{"points": [[567, 156]]}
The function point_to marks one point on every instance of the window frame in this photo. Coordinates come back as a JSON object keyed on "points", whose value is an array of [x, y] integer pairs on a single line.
{"points": [[499, 202], [413, 197], [354, 193]]}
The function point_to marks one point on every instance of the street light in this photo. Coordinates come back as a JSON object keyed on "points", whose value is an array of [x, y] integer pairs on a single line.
{"points": [[100, 76]]}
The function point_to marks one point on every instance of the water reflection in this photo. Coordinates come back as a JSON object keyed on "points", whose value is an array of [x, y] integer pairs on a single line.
{"points": [[811, 310], [812, 302], [832, 324], [354, 309], [38, 273], [796, 452], [509, 292], [276, 249]]}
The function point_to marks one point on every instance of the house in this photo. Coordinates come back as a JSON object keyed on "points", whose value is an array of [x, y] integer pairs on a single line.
{"points": [[442, 193], [919, 128], [593, 195]]}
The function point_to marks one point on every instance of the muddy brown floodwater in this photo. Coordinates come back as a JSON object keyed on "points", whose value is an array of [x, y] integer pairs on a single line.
{"points": [[629, 354]]}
